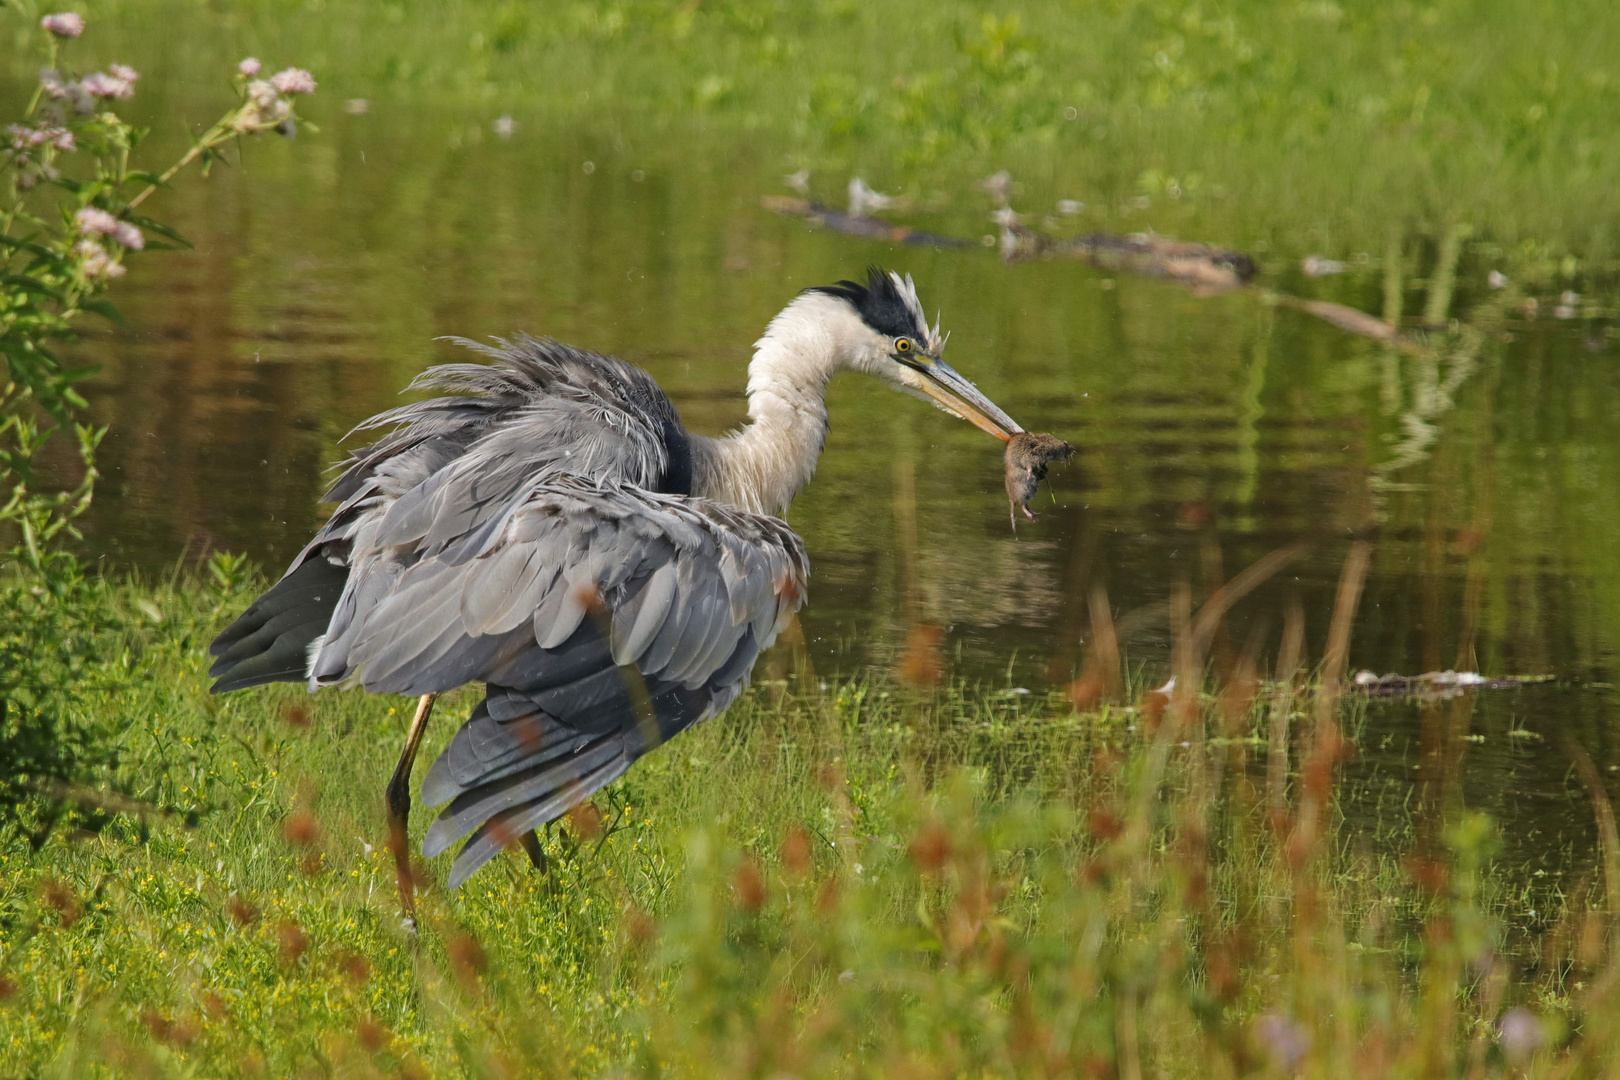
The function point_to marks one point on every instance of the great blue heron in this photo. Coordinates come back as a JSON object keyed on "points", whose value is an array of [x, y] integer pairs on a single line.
{"points": [[555, 533]]}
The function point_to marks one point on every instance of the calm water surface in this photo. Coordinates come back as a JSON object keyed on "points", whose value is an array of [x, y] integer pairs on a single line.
{"points": [[1212, 430]]}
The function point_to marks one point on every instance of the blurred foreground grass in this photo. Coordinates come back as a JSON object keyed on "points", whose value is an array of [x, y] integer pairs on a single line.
{"points": [[850, 880]]}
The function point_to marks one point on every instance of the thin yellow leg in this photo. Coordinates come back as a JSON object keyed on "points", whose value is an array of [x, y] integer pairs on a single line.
{"points": [[398, 800]]}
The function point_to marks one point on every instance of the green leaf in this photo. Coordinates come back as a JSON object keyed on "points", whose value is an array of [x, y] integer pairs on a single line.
{"points": [[28, 284], [161, 229], [104, 308]]}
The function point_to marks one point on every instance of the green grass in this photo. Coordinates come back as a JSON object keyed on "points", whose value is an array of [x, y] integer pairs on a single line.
{"points": [[859, 880], [1287, 124]]}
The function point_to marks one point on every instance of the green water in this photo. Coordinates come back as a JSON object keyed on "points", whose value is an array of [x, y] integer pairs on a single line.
{"points": [[1485, 465]]}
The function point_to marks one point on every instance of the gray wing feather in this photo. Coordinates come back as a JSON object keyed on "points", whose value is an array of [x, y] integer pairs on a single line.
{"points": [[716, 575]]}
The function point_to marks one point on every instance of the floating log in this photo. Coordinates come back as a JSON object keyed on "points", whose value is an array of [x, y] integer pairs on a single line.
{"points": [[851, 225], [1352, 320], [1445, 684], [1204, 269]]}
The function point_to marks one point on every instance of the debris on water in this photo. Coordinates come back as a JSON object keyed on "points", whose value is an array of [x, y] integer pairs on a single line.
{"points": [[1317, 266], [874, 228], [799, 181], [1201, 268], [1350, 319], [1444, 684], [1028, 454], [863, 200], [998, 186], [1497, 280]]}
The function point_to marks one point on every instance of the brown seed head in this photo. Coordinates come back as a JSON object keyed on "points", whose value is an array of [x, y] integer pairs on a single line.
{"points": [[827, 899], [301, 829], [60, 896], [242, 913], [796, 851], [748, 886], [8, 987], [920, 665], [639, 926], [372, 1035], [1430, 875], [586, 821], [297, 717], [356, 968], [1086, 691], [931, 848], [467, 957], [1104, 823], [830, 776], [291, 940]]}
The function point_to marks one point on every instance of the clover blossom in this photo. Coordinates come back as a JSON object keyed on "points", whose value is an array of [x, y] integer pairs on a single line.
{"points": [[261, 94], [118, 82], [26, 138], [65, 24], [249, 67], [94, 221], [293, 81], [95, 262], [74, 93], [129, 236]]}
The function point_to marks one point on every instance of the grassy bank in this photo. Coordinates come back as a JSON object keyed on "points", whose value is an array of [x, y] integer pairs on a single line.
{"points": [[831, 881], [1316, 126]]}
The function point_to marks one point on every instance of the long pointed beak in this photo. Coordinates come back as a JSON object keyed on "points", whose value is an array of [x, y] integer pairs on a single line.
{"points": [[961, 398]]}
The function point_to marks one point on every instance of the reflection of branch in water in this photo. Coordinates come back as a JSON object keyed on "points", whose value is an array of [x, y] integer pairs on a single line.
{"points": [[1248, 432], [1432, 397]]}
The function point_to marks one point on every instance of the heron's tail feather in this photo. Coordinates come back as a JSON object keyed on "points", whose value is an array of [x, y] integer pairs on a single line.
{"points": [[514, 767], [270, 641], [505, 777]]}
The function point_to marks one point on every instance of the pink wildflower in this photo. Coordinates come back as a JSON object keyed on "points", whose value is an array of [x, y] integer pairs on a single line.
{"points": [[64, 24], [125, 72], [293, 81], [26, 138], [261, 94], [97, 263], [103, 85], [94, 221], [129, 236], [249, 67]]}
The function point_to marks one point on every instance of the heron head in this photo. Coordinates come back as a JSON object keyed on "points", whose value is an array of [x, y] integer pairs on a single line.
{"points": [[898, 345]]}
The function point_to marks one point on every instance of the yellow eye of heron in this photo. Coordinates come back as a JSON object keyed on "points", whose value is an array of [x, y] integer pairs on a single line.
{"points": [[903, 345]]}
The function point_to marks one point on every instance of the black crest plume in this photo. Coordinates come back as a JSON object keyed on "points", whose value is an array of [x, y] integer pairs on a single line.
{"points": [[880, 303]]}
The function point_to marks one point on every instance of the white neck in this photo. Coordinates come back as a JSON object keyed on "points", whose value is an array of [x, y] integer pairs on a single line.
{"points": [[762, 467]]}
